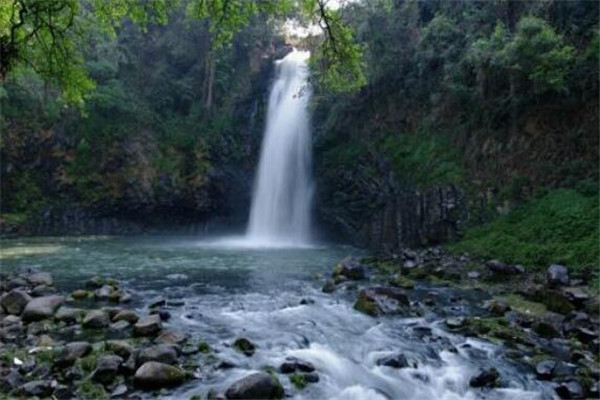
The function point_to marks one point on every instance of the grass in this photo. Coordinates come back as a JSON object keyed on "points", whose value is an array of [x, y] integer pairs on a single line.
{"points": [[561, 227]]}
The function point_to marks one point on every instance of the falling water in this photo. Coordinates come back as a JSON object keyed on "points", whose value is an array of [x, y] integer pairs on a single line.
{"points": [[280, 210]]}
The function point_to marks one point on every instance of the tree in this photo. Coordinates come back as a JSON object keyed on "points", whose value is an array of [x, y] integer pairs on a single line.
{"points": [[47, 35]]}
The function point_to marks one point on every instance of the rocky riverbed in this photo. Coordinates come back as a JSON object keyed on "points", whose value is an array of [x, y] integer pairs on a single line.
{"points": [[105, 337]]}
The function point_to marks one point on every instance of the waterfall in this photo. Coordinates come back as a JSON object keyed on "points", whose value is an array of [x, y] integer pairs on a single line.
{"points": [[281, 202]]}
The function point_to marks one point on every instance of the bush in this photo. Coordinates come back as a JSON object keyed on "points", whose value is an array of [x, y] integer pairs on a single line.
{"points": [[560, 227]]}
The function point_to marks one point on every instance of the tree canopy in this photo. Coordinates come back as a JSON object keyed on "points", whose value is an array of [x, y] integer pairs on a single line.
{"points": [[47, 36]]}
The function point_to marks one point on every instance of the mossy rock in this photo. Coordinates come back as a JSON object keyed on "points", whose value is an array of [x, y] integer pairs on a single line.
{"points": [[366, 304], [402, 282], [521, 305], [244, 346], [204, 347], [298, 381], [553, 300]]}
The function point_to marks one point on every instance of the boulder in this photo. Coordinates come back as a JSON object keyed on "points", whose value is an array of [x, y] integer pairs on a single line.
{"points": [[41, 388], [258, 385], [121, 348], [96, 319], [328, 287], [244, 346], [394, 361], [162, 353], [119, 326], [41, 308], [557, 275], [379, 300], [544, 370], [350, 268], [42, 290], [570, 389], [171, 337], [148, 326], [103, 293], [293, 364], [155, 375], [486, 378], [40, 278], [80, 294], [14, 302], [157, 302], [68, 315], [107, 369], [500, 268], [72, 352], [126, 315]]}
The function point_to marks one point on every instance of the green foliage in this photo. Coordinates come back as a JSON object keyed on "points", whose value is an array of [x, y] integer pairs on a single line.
{"points": [[560, 227], [540, 53], [424, 159], [89, 390]]}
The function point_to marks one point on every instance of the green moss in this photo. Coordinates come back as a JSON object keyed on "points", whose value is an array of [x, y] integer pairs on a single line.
{"points": [[298, 381], [402, 282], [204, 347], [526, 307], [494, 329], [244, 346], [560, 227], [92, 391], [366, 305]]}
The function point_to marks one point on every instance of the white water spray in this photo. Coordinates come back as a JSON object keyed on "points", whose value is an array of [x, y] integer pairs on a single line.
{"points": [[281, 203]]}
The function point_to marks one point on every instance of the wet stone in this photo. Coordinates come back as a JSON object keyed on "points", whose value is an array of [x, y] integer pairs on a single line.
{"points": [[96, 319], [394, 361], [148, 326], [107, 369], [545, 369], [157, 302], [14, 302], [486, 378], [259, 385], [570, 389]]}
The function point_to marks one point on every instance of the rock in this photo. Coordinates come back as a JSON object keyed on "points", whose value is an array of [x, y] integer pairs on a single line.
{"points": [[125, 297], [176, 302], [72, 352], [500, 268], [107, 369], [119, 391], [546, 329], [68, 315], [129, 366], [42, 388], [14, 302], [379, 300], [258, 385], [171, 337], [409, 264], [157, 302], [570, 389], [126, 315], [119, 326], [121, 348], [328, 287], [455, 323], [311, 377], [351, 268], [41, 308], [486, 378], [557, 275], [155, 375], [95, 283], [63, 392], [544, 370], [80, 294], [148, 326], [474, 275], [103, 293], [112, 311], [162, 353], [11, 381], [244, 346], [40, 278], [96, 319], [576, 295], [394, 361], [10, 320], [585, 335], [498, 308], [42, 290], [293, 364], [163, 314]]}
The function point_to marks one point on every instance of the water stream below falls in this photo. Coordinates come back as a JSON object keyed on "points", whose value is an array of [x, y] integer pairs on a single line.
{"points": [[259, 293]]}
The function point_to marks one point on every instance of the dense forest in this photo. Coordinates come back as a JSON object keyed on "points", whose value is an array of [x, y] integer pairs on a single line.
{"points": [[454, 148]]}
